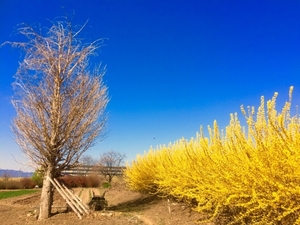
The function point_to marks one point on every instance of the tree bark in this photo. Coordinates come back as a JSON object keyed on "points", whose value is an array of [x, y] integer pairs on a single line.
{"points": [[47, 195]]}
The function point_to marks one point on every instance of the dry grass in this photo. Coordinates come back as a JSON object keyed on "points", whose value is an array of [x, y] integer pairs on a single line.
{"points": [[11, 178]]}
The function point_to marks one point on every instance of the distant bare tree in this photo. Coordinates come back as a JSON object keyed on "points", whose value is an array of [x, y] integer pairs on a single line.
{"points": [[108, 160], [6, 176], [59, 103], [89, 161]]}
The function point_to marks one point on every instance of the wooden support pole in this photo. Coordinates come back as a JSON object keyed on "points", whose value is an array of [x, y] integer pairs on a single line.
{"points": [[65, 197], [69, 197], [77, 199]]}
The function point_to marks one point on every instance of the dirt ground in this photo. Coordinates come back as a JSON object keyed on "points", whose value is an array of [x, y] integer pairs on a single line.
{"points": [[124, 208]]}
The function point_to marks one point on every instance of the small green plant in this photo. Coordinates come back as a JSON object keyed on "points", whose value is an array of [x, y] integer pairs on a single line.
{"points": [[106, 185], [80, 193], [10, 194], [37, 177]]}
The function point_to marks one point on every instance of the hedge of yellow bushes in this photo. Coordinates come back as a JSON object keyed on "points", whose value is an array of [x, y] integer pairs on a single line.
{"points": [[243, 175]]}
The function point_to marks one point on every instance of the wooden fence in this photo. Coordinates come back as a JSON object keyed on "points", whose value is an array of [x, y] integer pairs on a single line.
{"points": [[88, 170]]}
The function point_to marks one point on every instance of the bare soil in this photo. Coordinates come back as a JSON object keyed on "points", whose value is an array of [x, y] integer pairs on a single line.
{"points": [[124, 208]]}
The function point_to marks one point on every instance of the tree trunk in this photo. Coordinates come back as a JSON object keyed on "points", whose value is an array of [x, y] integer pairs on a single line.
{"points": [[47, 195]]}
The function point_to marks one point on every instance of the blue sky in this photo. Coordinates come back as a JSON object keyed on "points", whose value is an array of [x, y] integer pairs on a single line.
{"points": [[172, 65]]}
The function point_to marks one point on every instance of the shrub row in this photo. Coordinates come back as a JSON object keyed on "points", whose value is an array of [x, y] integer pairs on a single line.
{"points": [[82, 181], [23, 183], [234, 177], [69, 181]]}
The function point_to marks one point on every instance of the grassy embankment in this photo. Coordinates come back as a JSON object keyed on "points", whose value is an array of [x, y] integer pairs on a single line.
{"points": [[16, 193]]}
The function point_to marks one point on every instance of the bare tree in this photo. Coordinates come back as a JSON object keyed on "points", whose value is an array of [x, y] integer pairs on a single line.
{"points": [[108, 163], [88, 162], [59, 103]]}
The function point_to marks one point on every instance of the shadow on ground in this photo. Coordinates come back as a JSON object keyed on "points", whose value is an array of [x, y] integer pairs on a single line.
{"points": [[135, 205]]}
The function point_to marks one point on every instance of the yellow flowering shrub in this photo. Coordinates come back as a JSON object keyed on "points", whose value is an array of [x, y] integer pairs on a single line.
{"points": [[248, 175]]}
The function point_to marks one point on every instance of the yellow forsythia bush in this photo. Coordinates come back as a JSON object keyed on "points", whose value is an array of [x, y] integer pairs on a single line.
{"points": [[245, 176]]}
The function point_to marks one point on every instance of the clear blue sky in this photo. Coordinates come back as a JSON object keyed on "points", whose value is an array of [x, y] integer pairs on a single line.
{"points": [[172, 65]]}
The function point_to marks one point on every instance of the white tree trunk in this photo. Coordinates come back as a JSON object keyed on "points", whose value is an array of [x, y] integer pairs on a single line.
{"points": [[46, 196]]}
